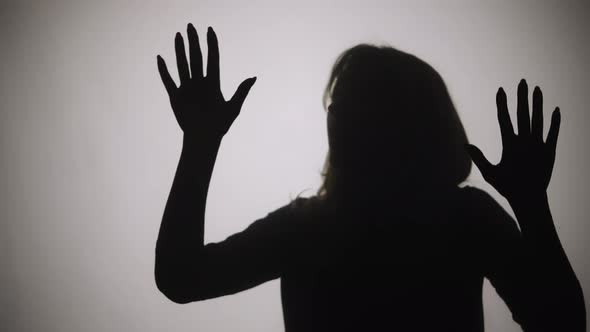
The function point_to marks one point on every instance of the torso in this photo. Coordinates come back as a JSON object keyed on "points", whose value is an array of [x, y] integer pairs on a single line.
{"points": [[366, 273]]}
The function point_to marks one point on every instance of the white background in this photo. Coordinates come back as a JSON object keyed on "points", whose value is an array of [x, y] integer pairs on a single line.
{"points": [[90, 145]]}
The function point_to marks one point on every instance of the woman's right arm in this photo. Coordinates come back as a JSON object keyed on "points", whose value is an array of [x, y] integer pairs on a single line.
{"points": [[188, 270], [205, 117], [181, 237]]}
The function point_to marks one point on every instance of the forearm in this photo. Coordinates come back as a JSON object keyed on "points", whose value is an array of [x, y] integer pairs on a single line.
{"points": [[181, 233], [555, 280], [538, 229]]}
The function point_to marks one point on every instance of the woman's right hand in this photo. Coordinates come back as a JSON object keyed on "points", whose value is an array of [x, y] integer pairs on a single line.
{"points": [[198, 104]]}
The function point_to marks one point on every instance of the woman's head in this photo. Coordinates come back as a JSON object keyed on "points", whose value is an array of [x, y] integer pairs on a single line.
{"points": [[391, 123]]}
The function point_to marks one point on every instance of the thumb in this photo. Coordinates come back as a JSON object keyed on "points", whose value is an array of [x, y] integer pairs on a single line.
{"points": [[479, 160], [240, 95]]}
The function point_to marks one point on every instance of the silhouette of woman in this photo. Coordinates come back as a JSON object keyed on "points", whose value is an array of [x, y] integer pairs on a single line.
{"points": [[391, 242]]}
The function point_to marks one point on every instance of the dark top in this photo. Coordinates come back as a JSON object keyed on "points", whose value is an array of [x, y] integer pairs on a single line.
{"points": [[348, 270]]}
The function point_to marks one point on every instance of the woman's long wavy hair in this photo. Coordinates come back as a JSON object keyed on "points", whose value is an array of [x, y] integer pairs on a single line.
{"points": [[448, 160]]}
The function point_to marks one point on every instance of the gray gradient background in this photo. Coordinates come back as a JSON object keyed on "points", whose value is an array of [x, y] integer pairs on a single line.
{"points": [[90, 145]]}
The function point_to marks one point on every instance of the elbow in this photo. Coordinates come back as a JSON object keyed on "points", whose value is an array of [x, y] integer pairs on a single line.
{"points": [[173, 293], [175, 286], [577, 315], [180, 283], [571, 307], [176, 297], [565, 313]]}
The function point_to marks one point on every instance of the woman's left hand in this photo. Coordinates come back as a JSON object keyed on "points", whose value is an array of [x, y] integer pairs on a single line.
{"points": [[527, 162]]}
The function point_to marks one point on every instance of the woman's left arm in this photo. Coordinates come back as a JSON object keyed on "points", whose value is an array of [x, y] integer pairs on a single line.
{"points": [[557, 285], [522, 177]]}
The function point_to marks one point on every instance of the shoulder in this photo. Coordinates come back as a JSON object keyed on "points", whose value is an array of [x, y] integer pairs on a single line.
{"points": [[476, 196], [276, 225], [296, 205], [486, 212], [479, 202], [295, 212]]}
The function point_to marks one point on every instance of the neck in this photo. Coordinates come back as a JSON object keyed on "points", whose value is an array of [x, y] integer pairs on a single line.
{"points": [[417, 197]]}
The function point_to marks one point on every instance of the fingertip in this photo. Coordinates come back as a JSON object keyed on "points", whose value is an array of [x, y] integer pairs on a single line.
{"points": [[210, 35], [501, 95], [523, 91]]}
